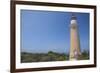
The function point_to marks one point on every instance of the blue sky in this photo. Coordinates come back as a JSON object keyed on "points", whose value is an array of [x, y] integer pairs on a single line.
{"points": [[43, 31]]}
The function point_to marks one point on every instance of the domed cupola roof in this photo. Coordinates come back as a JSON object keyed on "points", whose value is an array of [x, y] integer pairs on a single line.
{"points": [[73, 17]]}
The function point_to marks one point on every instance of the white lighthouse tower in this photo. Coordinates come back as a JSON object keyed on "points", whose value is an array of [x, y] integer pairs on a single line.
{"points": [[74, 39]]}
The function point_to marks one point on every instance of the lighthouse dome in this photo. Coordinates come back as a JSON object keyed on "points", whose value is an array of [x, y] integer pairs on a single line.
{"points": [[73, 22]]}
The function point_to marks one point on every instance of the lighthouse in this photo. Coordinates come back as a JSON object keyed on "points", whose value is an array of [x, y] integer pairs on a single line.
{"points": [[75, 51]]}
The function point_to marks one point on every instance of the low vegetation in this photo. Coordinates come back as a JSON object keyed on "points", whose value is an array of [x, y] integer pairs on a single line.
{"points": [[42, 57], [84, 55], [50, 56]]}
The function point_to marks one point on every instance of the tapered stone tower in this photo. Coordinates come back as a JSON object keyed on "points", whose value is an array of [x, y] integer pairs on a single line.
{"points": [[74, 39]]}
